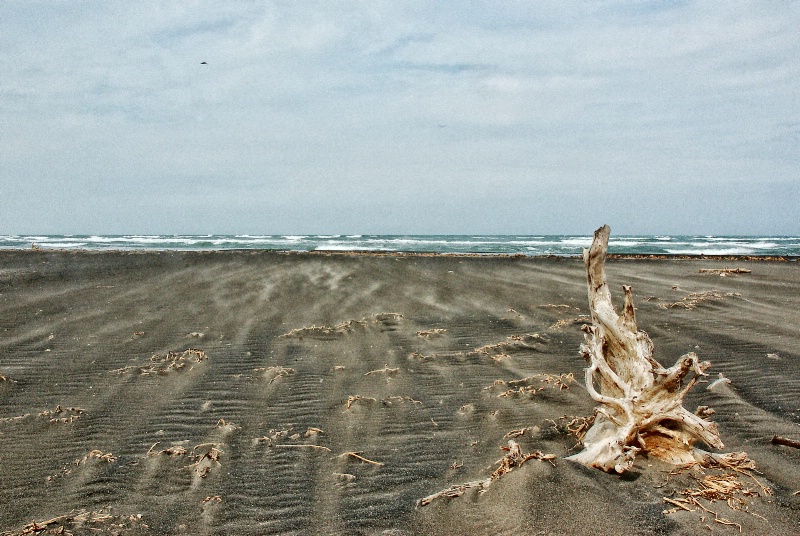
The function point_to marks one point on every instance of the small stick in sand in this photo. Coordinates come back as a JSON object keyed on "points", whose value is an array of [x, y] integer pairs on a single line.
{"points": [[302, 446], [722, 272], [723, 521], [353, 398], [385, 370], [431, 333], [680, 503], [358, 456], [778, 440]]}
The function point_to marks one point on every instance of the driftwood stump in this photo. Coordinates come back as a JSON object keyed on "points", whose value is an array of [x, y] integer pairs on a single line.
{"points": [[641, 402]]}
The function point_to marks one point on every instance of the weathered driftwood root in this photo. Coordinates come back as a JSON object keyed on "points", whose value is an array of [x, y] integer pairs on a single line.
{"points": [[640, 401]]}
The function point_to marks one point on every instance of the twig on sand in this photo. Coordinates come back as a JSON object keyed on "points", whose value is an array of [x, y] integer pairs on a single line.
{"points": [[513, 458], [354, 398], [723, 521], [385, 370], [358, 456], [777, 440], [722, 272], [680, 503], [66, 521], [428, 333], [301, 446], [696, 298]]}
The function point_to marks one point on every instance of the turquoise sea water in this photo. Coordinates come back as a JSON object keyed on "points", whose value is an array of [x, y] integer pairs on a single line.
{"points": [[482, 244]]}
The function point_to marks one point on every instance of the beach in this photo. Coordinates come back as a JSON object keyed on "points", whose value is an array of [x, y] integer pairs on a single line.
{"points": [[260, 392]]}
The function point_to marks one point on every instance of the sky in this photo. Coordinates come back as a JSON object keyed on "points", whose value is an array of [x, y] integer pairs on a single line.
{"points": [[399, 117]]}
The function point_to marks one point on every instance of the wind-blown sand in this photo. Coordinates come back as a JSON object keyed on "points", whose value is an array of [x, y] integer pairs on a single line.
{"points": [[107, 420]]}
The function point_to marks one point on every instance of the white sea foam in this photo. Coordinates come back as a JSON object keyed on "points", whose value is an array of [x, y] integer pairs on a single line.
{"points": [[509, 244], [720, 251]]}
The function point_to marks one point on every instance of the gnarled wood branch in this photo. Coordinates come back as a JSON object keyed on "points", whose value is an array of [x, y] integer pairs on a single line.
{"points": [[641, 402]]}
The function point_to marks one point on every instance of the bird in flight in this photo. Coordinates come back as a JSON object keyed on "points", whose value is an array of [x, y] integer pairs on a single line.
{"points": [[203, 63]]}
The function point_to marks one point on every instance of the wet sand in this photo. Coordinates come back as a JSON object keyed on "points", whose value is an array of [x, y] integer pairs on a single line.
{"points": [[327, 394]]}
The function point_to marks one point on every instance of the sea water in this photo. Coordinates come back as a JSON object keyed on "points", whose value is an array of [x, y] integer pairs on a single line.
{"points": [[562, 245]]}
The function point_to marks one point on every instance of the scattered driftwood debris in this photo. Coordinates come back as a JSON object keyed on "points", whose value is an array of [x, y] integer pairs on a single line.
{"points": [[325, 332], [355, 398], [81, 520], [273, 373], [301, 446], [533, 384], [438, 355], [696, 298], [640, 402], [358, 456], [512, 344], [172, 451], [785, 441], [342, 328], [391, 400], [564, 322], [718, 479], [95, 455], [573, 425], [206, 456], [513, 458], [429, 333], [99, 455], [385, 370], [164, 364], [497, 351], [202, 458], [388, 401], [58, 415], [273, 436], [724, 272]]}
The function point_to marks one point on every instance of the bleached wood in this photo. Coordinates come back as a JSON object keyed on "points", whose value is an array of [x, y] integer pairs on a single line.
{"points": [[641, 402]]}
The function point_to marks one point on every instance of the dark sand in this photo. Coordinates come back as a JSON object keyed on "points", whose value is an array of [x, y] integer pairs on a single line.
{"points": [[77, 330]]}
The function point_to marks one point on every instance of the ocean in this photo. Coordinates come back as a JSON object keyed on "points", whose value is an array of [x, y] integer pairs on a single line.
{"points": [[562, 245]]}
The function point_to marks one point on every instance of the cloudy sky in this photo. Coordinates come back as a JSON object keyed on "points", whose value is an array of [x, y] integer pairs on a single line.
{"points": [[399, 117]]}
